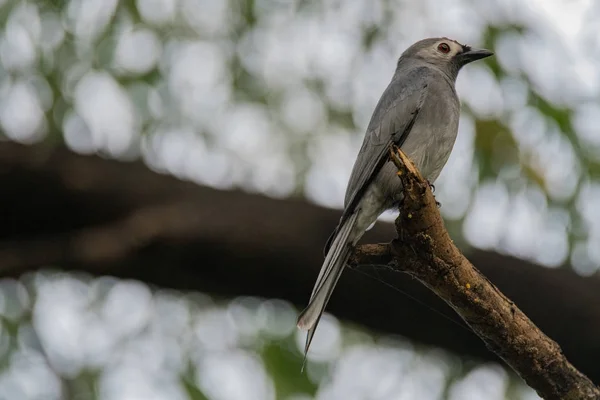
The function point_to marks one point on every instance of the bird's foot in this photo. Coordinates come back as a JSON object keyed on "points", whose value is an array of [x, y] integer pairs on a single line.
{"points": [[431, 186]]}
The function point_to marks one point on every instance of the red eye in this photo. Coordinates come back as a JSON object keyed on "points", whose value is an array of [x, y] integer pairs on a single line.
{"points": [[443, 47]]}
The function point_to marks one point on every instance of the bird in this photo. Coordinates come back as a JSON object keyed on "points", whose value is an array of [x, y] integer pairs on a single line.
{"points": [[419, 113]]}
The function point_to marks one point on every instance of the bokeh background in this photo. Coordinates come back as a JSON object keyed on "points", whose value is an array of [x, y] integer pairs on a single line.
{"points": [[272, 97]]}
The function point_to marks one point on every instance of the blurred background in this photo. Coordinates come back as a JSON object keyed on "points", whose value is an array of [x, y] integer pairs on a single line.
{"points": [[170, 170]]}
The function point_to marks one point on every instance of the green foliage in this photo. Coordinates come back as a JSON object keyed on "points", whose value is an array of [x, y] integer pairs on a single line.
{"points": [[491, 35], [284, 365], [495, 147], [192, 390]]}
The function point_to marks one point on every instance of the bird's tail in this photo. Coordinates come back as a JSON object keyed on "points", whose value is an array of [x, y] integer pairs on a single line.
{"points": [[335, 261]]}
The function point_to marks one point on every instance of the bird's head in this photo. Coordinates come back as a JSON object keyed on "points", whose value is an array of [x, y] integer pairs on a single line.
{"points": [[444, 53]]}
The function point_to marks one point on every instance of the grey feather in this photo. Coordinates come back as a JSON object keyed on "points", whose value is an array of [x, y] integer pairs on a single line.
{"points": [[419, 112], [391, 122], [328, 276]]}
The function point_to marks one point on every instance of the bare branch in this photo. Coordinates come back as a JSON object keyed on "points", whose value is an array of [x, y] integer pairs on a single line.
{"points": [[428, 254]]}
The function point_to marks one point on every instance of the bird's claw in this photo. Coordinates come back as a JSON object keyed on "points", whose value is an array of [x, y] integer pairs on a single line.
{"points": [[431, 186], [437, 203]]}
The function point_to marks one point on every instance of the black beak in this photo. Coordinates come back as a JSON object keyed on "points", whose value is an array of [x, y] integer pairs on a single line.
{"points": [[472, 54]]}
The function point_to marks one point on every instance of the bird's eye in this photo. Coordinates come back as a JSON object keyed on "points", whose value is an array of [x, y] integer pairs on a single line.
{"points": [[443, 47]]}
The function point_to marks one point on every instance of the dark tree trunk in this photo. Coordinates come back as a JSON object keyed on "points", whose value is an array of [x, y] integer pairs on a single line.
{"points": [[103, 217]]}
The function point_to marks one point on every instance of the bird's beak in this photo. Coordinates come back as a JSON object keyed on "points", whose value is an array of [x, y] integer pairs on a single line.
{"points": [[473, 54]]}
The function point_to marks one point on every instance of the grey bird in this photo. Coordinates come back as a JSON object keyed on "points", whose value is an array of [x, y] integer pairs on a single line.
{"points": [[419, 113]]}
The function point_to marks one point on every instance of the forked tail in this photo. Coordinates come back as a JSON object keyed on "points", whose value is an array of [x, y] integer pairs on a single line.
{"points": [[335, 261]]}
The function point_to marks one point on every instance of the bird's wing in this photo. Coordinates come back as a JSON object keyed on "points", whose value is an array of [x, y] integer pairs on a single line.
{"points": [[390, 124]]}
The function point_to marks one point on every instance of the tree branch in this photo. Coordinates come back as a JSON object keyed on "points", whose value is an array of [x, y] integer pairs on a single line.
{"points": [[427, 253]]}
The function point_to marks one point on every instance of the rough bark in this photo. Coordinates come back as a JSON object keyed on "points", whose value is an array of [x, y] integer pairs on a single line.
{"points": [[98, 216], [426, 252]]}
